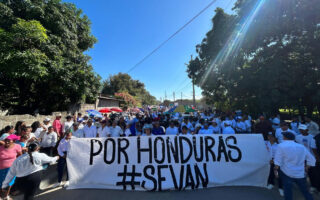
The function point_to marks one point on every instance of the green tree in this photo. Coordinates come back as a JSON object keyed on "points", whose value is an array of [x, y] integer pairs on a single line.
{"points": [[42, 62], [123, 83], [274, 65]]}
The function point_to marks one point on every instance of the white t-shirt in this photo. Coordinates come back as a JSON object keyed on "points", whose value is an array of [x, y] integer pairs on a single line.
{"points": [[228, 130], [67, 125], [279, 135], [78, 133], [116, 131], [291, 158], [127, 132], [103, 132], [222, 123], [240, 127], [215, 129], [206, 131], [308, 141], [272, 148], [49, 140], [172, 131], [189, 126], [37, 133], [90, 132]]}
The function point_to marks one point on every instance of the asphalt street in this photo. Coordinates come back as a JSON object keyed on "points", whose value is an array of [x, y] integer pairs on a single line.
{"points": [[46, 192]]}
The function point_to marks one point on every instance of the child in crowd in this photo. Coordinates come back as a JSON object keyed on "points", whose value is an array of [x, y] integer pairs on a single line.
{"points": [[23, 143]]}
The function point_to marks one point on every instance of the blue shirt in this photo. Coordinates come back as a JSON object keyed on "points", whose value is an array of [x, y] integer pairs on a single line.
{"points": [[157, 131]]}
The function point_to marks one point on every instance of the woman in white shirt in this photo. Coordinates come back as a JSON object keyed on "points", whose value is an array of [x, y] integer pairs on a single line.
{"points": [[27, 168]]}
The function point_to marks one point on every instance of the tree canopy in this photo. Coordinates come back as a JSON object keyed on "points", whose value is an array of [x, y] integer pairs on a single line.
{"points": [[42, 61], [262, 58], [123, 83]]}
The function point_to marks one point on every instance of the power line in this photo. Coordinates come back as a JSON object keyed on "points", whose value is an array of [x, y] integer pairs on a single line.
{"points": [[174, 34]]}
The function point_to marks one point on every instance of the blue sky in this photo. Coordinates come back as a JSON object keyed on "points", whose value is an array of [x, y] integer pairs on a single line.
{"points": [[127, 30]]}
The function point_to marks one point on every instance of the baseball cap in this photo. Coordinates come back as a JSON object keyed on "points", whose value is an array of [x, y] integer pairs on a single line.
{"points": [[303, 127], [47, 119]]}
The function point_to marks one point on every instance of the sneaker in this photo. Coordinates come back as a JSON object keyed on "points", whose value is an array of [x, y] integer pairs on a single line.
{"points": [[66, 184], [270, 186], [57, 185], [281, 192], [313, 189]]}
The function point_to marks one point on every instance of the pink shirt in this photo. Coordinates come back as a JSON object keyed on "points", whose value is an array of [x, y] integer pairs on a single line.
{"points": [[8, 155], [57, 127]]}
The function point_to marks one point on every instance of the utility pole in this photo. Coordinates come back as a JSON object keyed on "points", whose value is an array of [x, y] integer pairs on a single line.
{"points": [[165, 95], [174, 97], [193, 91], [194, 94]]}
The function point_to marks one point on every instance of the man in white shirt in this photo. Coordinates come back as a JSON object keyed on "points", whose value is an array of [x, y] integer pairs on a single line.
{"points": [[240, 126], [115, 130], [44, 128], [227, 128], [103, 130], [313, 127], [172, 130], [77, 132], [206, 129], [284, 127], [63, 148], [309, 142], [90, 131], [48, 141], [215, 127], [293, 159]]}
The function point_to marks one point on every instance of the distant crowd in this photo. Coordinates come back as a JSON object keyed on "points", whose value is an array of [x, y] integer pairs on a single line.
{"points": [[26, 150]]}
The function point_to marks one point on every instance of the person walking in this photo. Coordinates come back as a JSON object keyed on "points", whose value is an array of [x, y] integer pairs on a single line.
{"points": [[48, 141], [62, 162], [293, 160], [27, 168], [309, 142]]}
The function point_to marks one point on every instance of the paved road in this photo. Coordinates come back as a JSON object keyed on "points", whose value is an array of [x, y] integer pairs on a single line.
{"points": [[223, 193], [219, 193]]}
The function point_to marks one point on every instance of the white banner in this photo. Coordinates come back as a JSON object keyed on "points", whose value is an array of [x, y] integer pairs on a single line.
{"points": [[168, 162]]}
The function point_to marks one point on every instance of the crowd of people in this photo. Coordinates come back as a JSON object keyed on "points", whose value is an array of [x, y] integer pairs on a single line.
{"points": [[294, 145]]}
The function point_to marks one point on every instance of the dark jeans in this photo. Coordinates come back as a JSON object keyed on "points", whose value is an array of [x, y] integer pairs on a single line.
{"points": [[272, 177], [314, 176], [46, 150], [29, 184], [61, 166], [287, 186]]}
